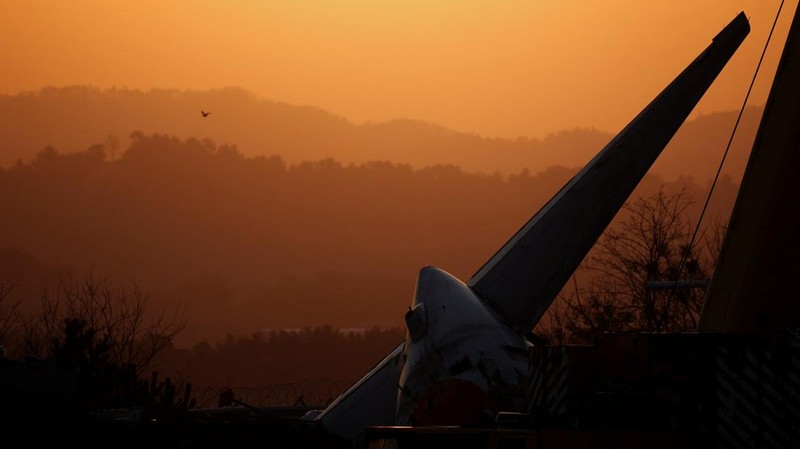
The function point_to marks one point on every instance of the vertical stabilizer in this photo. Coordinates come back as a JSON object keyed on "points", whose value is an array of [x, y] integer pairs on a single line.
{"points": [[525, 275], [753, 288]]}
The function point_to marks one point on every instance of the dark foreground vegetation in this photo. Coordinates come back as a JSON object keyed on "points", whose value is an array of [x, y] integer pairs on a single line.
{"points": [[82, 382]]}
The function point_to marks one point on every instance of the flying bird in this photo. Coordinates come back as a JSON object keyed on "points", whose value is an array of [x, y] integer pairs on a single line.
{"points": [[205, 114]]}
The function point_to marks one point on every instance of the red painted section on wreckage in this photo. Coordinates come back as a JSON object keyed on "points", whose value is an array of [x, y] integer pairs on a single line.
{"points": [[455, 402]]}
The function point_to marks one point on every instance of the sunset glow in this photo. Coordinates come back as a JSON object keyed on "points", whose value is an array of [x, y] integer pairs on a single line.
{"points": [[495, 68]]}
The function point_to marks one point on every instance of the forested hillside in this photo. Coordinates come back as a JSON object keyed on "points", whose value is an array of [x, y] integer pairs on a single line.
{"points": [[247, 243]]}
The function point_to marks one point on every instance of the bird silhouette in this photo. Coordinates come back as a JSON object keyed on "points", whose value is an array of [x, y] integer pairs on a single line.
{"points": [[205, 114]]}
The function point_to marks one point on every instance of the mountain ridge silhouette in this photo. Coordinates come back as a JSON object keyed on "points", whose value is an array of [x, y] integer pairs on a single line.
{"points": [[74, 117]]}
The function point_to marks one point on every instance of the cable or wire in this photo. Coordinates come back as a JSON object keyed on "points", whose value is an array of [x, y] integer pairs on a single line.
{"points": [[724, 155]]}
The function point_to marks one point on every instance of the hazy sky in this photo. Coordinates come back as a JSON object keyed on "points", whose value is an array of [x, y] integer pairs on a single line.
{"points": [[495, 67]]}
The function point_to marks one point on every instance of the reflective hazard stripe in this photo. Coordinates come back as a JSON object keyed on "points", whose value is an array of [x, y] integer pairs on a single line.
{"points": [[757, 399], [548, 388]]}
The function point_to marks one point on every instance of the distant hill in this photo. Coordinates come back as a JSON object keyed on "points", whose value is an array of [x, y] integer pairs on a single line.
{"points": [[73, 118], [251, 242]]}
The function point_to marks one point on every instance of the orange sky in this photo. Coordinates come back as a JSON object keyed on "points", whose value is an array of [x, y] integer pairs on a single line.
{"points": [[499, 68]]}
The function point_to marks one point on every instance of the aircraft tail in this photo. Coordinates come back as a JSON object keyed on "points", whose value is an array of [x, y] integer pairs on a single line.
{"points": [[521, 280]]}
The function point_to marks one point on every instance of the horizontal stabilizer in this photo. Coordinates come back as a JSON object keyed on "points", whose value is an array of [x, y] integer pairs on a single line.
{"points": [[521, 280], [372, 401]]}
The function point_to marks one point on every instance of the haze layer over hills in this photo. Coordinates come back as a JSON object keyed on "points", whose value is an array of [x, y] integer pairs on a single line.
{"points": [[265, 215], [73, 118]]}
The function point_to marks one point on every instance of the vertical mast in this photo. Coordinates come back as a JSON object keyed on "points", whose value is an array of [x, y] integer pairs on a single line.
{"points": [[754, 287]]}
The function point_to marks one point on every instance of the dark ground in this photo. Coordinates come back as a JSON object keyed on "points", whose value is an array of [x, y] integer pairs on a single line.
{"points": [[46, 407], [160, 428]]}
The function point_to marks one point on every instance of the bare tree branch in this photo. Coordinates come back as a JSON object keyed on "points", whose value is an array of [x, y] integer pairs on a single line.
{"points": [[648, 244]]}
